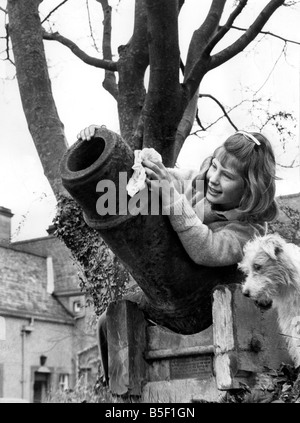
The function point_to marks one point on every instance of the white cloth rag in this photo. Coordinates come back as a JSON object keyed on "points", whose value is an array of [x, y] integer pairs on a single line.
{"points": [[137, 180]]}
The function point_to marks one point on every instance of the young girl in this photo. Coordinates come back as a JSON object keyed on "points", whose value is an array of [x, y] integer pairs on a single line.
{"points": [[235, 205], [237, 201]]}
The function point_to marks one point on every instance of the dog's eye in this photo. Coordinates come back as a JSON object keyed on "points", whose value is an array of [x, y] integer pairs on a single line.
{"points": [[256, 267]]}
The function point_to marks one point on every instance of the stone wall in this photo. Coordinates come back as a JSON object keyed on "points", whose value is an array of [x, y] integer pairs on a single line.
{"points": [[23, 286], [21, 350], [65, 270]]}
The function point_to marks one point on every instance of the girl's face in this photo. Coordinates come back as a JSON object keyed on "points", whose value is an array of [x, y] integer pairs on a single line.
{"points": [[225, 186]]}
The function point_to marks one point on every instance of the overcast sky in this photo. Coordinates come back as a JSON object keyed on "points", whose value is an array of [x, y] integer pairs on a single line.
{"points": [[81, 100]]}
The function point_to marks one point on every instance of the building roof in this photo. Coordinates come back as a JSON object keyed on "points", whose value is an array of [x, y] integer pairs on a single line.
{"points": [[65, 270], [23, 288]]}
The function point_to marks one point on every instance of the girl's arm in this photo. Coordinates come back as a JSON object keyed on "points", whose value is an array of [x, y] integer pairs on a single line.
{"points": [[221, 247]]}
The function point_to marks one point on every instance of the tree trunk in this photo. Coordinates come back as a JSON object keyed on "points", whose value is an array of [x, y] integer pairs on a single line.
{"points": [[45, 127]]}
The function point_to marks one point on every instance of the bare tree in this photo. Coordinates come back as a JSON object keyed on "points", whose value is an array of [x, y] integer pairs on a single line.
{"points": [[158, 117], [161, 116]]}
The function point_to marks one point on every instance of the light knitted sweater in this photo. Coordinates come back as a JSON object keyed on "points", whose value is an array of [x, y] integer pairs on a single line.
{"points": [[211, 238]]}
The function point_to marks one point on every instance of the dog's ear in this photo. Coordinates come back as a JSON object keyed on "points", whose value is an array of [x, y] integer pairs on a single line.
{"points": [[274, 245]]}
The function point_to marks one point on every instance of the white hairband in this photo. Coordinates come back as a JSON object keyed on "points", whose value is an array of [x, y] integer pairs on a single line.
{"points": [[249, 136]]}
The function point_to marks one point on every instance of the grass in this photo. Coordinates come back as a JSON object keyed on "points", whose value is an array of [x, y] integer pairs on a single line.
{"points": [[82, 393], [285, 388]]}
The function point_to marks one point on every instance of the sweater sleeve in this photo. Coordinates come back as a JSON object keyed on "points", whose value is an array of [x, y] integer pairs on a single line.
{"points": [[220, 247]]}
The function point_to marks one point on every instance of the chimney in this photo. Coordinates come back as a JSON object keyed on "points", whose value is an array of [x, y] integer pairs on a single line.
{"points": [[5, 224], [51, 229]]}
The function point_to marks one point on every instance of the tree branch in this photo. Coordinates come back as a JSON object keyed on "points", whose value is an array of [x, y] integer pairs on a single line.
{"points": [[106, 42], [240, 44], [203, 128], [93, 61], [226, 115], [54, 10], [225, 28], [90, 26], [109, 82], [163, 44], [139, 41], [163, 106], [198, 120], [290, 166], [139, 52], [271, 34], [196, 65], [132, 64], [186, 123], [271, 71]]}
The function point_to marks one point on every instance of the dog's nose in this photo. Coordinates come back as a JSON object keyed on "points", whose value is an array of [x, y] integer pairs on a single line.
{"points": [[246, 292]]}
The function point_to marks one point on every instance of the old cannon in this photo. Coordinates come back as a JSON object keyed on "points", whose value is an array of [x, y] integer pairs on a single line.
{"points": [[176, 292]]}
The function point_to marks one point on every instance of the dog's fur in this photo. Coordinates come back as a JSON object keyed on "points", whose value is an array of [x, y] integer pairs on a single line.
{"points": [[272, 269]]}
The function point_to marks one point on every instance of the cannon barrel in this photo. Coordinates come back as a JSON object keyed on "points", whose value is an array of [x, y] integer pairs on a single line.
{"points": [[176, 291]]}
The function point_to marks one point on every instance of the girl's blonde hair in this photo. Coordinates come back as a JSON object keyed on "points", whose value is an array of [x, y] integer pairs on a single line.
{"points": [[255, 162]]}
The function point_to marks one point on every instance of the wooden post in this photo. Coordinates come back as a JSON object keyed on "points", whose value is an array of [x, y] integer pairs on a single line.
{"points": [[246, 339], [126, 337]]}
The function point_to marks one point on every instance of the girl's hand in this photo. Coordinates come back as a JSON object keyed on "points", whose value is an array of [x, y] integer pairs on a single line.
{"points": [[155, 171], [158, 179], [87, 133]]}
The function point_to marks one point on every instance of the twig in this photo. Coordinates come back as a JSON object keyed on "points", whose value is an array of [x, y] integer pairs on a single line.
{"points": [[7, 45], [221, 107], [272, 70], [90, 25], [54, 10], [269, 33]]}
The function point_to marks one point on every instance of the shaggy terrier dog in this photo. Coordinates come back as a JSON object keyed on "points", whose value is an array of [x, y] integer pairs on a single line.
{"points": [[272, 269]]}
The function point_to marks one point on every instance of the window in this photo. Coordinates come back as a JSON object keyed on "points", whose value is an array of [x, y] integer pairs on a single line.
{"points": [[63, 381], [85, 375], [77, 307]]}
